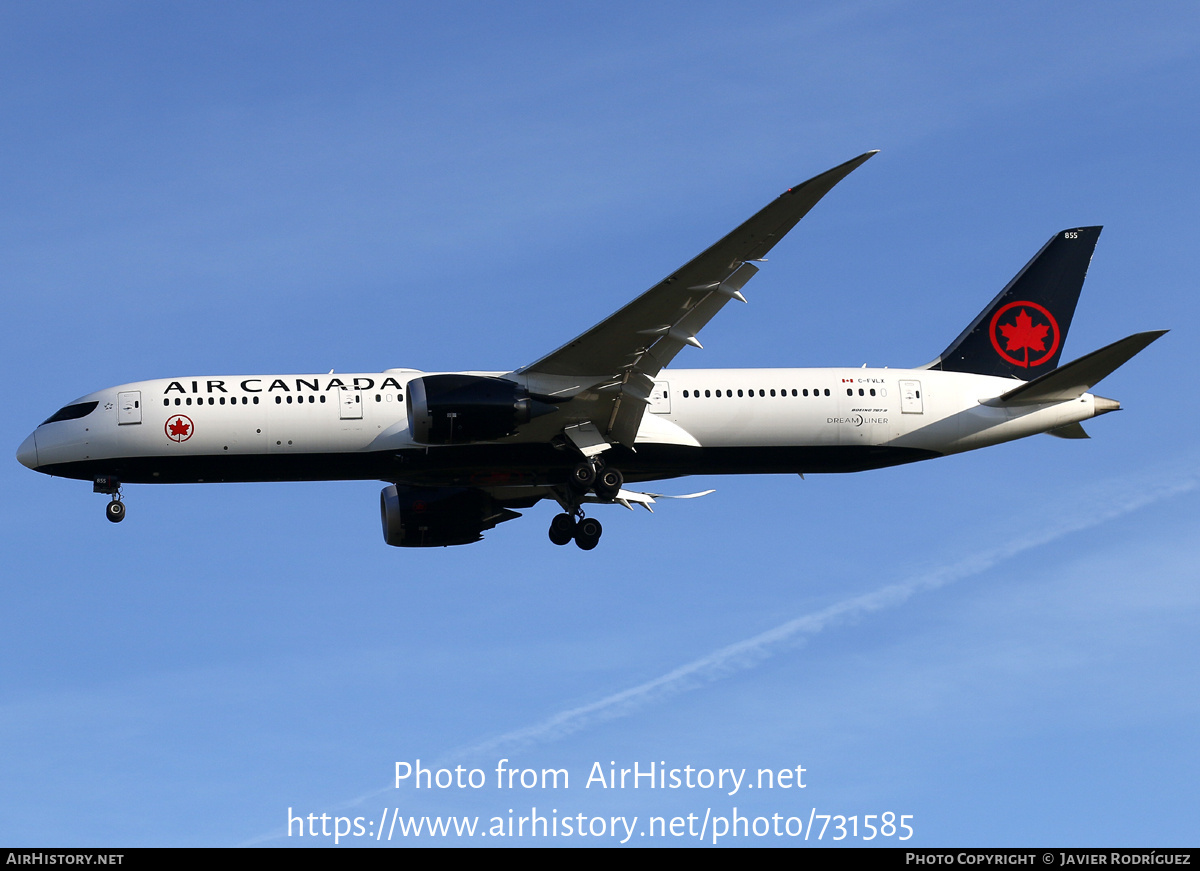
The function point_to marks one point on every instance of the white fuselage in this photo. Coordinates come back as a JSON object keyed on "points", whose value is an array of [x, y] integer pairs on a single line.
{"points": [[311, 427]]}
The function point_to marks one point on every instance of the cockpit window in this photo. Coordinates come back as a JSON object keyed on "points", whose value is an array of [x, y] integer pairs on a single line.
{"points": [[72, 412]]}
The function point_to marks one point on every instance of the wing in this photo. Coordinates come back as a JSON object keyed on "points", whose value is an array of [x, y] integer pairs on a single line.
{"points": [[608, 372]]}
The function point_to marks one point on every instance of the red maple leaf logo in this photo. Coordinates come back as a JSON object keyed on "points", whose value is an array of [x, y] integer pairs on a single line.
{"points": [[179, 428], [1023, 335]]}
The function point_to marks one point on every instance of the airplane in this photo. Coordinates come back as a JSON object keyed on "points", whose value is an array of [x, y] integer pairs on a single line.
{"points": [[461, 452]]}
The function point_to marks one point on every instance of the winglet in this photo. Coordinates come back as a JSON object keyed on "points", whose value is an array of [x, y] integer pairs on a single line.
{"points": [[792, 205], [721, 269]]}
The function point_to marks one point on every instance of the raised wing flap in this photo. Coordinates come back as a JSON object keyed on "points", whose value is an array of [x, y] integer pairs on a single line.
{"points": [[616, 360], [629, 498]]}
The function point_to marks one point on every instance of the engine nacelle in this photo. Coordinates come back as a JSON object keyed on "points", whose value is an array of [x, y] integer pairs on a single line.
{"points": [[457, 409], [437, 516]]}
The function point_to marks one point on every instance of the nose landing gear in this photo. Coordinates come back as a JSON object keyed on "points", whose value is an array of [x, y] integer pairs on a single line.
{"points": [[115, 510], [109, 485]]}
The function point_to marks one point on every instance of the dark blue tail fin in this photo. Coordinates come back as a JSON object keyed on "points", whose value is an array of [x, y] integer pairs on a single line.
{"points": [[1022, 331]]}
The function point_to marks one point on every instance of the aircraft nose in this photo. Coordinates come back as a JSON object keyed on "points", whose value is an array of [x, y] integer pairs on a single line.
{"points": [[27, 453]]}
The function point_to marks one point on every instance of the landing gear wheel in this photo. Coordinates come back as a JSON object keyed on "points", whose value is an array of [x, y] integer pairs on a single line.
{"points": [[115, 511], [587, 533], [608, 484], [562, 528], [583, 477]]}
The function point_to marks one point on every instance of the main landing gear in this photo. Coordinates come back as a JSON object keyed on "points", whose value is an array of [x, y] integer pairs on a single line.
{"points": [[585, 531], [571, 524], [109, 485], [594, 475]]}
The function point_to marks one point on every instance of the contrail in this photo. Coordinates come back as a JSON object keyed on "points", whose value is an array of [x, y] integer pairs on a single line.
{"points": [[1129, 496]]}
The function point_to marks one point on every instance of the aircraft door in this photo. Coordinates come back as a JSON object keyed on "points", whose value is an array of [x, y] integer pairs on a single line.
{"points": [[129, 407], [660, 398], [910, 398], [350, 403]]}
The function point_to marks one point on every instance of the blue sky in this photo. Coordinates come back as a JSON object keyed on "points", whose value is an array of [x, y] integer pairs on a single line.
{"points": [[1001, 644]]}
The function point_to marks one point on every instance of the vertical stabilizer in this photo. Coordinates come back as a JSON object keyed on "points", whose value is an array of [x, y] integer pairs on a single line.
{"points": [[1021, 332]]}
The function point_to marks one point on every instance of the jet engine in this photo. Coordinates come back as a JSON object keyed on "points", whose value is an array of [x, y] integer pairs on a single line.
{"points": [[457, 409], [438, 516]]}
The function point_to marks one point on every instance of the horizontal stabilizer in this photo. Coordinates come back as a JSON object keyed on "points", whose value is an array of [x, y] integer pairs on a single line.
{"points": [[1079, 376]]}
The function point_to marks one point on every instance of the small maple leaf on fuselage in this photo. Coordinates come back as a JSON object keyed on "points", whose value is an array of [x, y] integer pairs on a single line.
{"points": [[179, 428]]}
